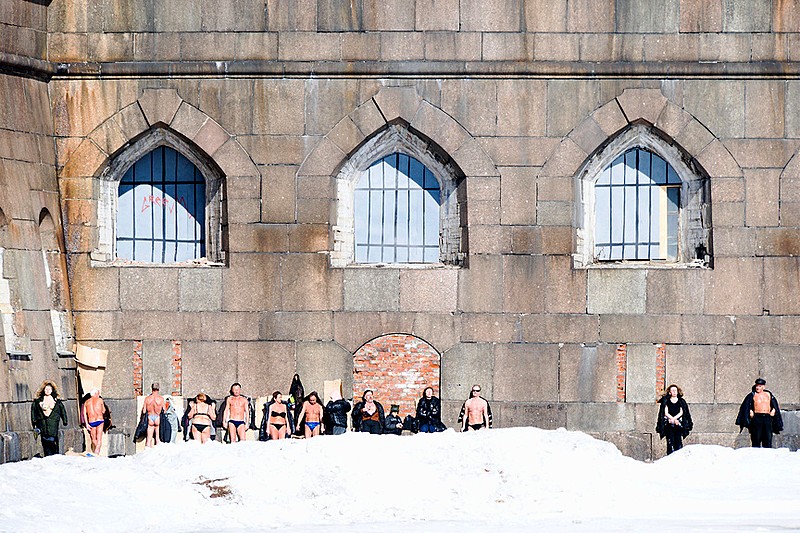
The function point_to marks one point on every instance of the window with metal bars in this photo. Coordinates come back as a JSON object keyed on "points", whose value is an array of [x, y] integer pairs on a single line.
{"points": [[161, 209], [397, 212], [637, 209]]}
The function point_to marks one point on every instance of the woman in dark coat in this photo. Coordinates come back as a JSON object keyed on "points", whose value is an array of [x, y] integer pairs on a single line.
{"points": [[674, 420], [429, 412], [368, 416], [46, 412]]}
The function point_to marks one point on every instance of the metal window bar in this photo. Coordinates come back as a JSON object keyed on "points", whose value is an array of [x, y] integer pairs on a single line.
{"points": [[636, 236], [382, 183], [148, 247]]}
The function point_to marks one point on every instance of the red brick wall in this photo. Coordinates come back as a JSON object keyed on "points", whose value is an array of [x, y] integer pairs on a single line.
{"points": [[661, 368], [397, 368], [177, 368], [137, 368], [622, 370]]}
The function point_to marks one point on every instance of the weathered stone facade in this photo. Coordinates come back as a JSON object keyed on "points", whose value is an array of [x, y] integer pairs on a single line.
{"points": [[517, 96]]}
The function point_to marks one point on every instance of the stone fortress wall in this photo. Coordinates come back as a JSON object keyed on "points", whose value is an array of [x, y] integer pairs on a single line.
{"points": [[279, 95]]}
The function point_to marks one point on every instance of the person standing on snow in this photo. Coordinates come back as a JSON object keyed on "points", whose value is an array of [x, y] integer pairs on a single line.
{"points": [[153, 406], [674, 420], [761, 415], [46, 412], [336, 411], [475, 413]]}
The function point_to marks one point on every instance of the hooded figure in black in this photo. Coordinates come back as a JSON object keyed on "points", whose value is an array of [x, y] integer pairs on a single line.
{"points": [[760, 424], [674, 420], [429, 412], [368, 415], [296, 395], [47, 410]]}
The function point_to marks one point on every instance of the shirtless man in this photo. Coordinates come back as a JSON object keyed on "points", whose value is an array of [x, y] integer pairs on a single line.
{"points": [[237, 413], [153, 405], [475, 413], [761, 415], [312, 409], [94, 408]]}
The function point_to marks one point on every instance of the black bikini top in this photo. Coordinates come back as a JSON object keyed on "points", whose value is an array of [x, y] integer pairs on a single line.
{"points": [[276, 413]]}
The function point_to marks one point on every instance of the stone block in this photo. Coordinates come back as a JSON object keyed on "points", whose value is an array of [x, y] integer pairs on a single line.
{"points": [[600, 417], [208, 367], [394, 16], [465, 365], [675, 291], [526, 240], [480, 283], [97, 326], [694, 138], [728, 189], [85, 161], [200, 289], [643, 17], [640, 328], [762, 186], [443, 46], [523, 283], [724, 47], [554, 189], [254, 357], [729, 214], [280, 194], [324, 159], [227, 326], [320, 361], [291, 326], [507, 46], [762, 153], [565, 161], [433, 290], [308, 237], [560, 328], [719, 105], [735, 369], [159, 105], [792, 103], [327, 102], [485, 327], [252, 283], [234, 161], [437, 15], [556, 47], [706, 329], [519, 109], [553, 213], [526, 372], [258, 238], [148, 289], [489, 239], [718, 157], [308, 285], [95, 289], [157, 365], [642, 103], [781, 275], [734, 287], [749, 16], [570, 297], [757, 329], [634, 445], [780, 367], [616, 291], [700, 16], [588, 135], [440, 330], [370, 289], [491, 15], [591, 16], [765, 108], [473, 103], [402, 46], [545, 16], [587, 373], [279, 107], [716, 418], [548, 416], [640, 376], [119, 382]]}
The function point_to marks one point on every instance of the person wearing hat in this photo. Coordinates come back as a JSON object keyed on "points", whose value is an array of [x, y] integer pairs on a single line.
{"points": [[394, 424], [761, 415]]}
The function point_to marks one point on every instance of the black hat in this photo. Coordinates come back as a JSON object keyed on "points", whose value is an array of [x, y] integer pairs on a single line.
{"points": [[394, 409], [760, 381]]}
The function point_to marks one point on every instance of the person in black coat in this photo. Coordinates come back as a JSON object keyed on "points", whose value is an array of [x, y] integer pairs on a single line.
{"points": [[368, 415], [761, 415], [674, 419], [394, 424], [336, 414], [429, 412], [47, 410]]}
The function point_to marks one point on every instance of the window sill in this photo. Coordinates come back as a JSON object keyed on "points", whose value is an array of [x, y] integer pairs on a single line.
{"points": [[402, 266], [648, 265], [123, 263]]}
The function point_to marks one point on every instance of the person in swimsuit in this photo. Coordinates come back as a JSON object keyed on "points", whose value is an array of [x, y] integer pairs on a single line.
{"points": [[153, 405], [475, 413], [313, 412], [202, 415], [47, 410], [277, 423], [94, 408], [237, 411], [674, 420]]}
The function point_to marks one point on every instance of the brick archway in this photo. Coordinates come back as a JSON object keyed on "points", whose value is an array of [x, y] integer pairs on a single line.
{"points": [[397, 367]]}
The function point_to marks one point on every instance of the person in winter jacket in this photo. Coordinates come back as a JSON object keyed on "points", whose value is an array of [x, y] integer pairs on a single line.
{"points": [[674, 420], [429, 412], [336, 413], [173, 418], [761, 415], [368, 415], [47, 410], [393, 424]]}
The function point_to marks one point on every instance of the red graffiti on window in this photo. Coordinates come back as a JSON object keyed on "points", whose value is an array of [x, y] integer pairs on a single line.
{"points": [[162, 201]]}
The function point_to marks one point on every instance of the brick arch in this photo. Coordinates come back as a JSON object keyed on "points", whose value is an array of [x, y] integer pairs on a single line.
{"points": [[397, 367]]}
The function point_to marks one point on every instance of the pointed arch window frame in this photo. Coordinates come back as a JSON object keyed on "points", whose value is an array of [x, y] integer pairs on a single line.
{"points": [[694, 232], [105, 251], [399, 137]]}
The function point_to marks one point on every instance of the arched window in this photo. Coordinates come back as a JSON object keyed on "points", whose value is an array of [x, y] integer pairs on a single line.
{"points": [[160, 202], [161, 209], [637, 206], [397, 202], [643, 199]]}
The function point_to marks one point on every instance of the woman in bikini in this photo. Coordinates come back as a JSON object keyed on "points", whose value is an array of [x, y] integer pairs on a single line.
{"points": [[277, 423], [313, 412], [202, 415]]}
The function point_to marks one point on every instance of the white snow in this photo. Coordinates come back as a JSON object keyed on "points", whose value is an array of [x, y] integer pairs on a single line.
{"points": [[521, 479]]}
